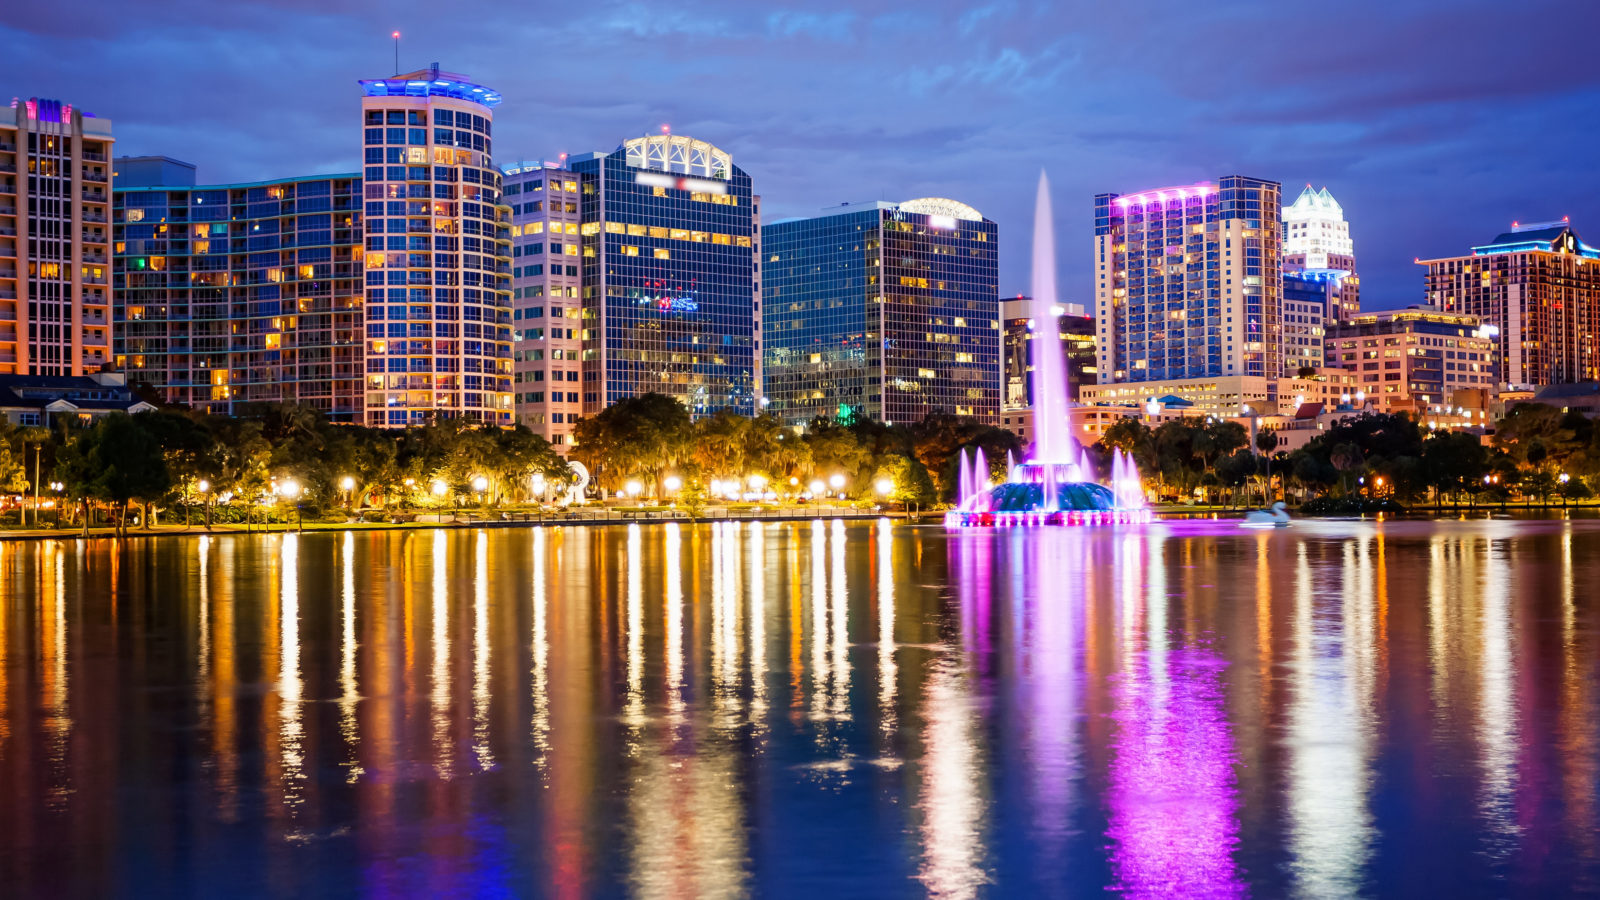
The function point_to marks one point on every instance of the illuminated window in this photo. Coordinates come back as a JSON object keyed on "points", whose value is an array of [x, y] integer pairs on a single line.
{"points": [[637, 230], [611, 228], [663, 253]]}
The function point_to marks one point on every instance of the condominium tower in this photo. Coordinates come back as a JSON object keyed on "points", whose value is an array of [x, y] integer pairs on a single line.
{"points": [[55, 239], [1539, 284], [1188, 281], [438, 252], [884, 310], [232, 294]]}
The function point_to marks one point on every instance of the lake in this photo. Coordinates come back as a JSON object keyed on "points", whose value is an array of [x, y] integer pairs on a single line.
{"points": [[805, 709]]}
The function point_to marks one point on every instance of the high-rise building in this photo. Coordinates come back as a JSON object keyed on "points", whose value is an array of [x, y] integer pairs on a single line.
{"points": [[232, 294], [438, 252], [55, 239], [1317, 247], [1315, 234], [1539, 284], [883, 310], [1413, 359], [1076, 330], [547, 272], [666, 250], [1188, 282], [1309, 307]]}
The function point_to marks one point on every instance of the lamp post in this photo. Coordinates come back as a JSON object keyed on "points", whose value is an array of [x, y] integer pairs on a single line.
{"points": [[837, 483], [348, 485], [633, 488], [291, 489], [204, 487], [480, 486]]}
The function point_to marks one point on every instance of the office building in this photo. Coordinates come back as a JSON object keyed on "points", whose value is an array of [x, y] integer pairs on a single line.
{"points": [[1315, 234], [884, 310], [1308, 308], [547, 271], [55, 239], [665, 261], [1076, 330], [232, 294], [1539, 284], [1188, 282], [1412, 359], [438, 252]]}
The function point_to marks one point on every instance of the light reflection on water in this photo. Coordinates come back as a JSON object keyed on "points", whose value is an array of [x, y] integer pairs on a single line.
{"points": [[795, 708]]}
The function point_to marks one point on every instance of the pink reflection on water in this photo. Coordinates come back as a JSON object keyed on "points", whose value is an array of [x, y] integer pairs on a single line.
{"points": [[1173, 798]]}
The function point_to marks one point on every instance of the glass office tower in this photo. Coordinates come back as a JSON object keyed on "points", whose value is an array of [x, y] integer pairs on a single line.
{"points": [[239, 293], [885, 310], [668, 232], [1188, 281], [438, 252]]}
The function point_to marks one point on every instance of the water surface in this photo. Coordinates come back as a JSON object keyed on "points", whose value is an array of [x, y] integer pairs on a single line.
{"points": [[805, 709]]}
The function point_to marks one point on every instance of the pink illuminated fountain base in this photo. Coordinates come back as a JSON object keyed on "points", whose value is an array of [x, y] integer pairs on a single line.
{"points": [[1057, 486]]}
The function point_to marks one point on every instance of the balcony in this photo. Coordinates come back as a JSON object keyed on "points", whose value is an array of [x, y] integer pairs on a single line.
{"points": [[94, 177], [9, 168], [87, 217], [94, 197], [89, 155]]}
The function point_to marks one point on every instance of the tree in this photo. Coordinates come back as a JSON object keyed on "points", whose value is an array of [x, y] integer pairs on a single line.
{"points": [[116, 461], [1453, 462], [645, 435], [910, 478]]}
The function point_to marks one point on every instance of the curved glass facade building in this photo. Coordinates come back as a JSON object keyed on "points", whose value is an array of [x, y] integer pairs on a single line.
{"points": [[438, 252], [885, 310]]}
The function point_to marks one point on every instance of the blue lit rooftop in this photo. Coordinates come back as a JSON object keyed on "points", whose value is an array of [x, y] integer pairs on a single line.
{"points": [[1544, 237], [431, 82]]}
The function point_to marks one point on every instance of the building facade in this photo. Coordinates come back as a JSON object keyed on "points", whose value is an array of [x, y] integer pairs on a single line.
{"points": [[1539, 285], [233, 294], [884, 310], [437, 252], [547, 269], [1315, 234], [55, 239], [671, 292], [1413, 359], [1309, 305], [1188, 282], [1077, 349]]}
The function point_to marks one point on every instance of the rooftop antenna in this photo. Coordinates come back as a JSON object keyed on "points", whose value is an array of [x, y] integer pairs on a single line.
{"points": [[396, 37]]}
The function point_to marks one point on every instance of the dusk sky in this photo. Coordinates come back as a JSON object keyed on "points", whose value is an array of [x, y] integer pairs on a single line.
{"points": [[1435, 124]]}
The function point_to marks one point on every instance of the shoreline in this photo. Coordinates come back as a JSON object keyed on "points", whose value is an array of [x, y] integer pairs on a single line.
{"points": [[649, 517]]}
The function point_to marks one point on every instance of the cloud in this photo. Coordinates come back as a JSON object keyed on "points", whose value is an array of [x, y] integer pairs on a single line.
{"points": [[1434, 123]]}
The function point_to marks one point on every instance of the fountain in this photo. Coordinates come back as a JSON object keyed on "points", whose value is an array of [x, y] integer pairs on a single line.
{"points": [[1056, 486]]}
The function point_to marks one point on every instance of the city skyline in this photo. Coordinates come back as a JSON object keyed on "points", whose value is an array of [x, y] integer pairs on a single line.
{"points": [[1015, 89]]}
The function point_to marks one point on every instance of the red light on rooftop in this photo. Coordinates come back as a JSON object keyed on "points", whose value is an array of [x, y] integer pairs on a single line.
{"points": [[1513, 224], [396, 35]]}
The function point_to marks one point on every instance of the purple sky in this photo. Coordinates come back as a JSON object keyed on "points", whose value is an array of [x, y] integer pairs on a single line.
{"points": [[1434, 123]]}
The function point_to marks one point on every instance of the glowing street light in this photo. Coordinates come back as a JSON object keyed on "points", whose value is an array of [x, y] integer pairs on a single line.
{"points": [[439, 488], [672, 483], [836, 482], [633, 488], [816, 487], [757, 482], [347, 483], [203, 486], [480, 483], [884, 486], [291, 489]]}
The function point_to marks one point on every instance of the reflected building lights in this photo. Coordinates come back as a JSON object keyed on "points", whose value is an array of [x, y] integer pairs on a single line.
{"points": [[290, 687], [1497, 717], [758, 627], [839, 667], [439, 610], [672, 554], [480, 652], [951, 809], [349, 695], [887, 673]]}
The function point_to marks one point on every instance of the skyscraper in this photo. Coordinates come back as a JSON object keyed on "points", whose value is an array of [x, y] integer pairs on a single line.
{"points": [[239, 293], [55, 239], [547, 309], [438, 252], [1317, 247], [1076, 330], [1315, 234], [1539, 284], [668, 230], [884, 310], [1188, 282]]}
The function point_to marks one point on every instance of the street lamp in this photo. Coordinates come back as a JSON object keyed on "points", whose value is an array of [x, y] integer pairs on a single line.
{"points": [[633, 489], [816, 487], [884, 486], [290, 489], [672, 483], [348, 485], [837, 483]]}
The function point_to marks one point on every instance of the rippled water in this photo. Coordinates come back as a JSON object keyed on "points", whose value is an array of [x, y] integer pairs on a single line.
{"points": [[804, 709]]}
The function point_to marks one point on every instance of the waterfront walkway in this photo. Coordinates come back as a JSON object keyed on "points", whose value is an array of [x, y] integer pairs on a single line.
{"points": [[493, 519]]}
